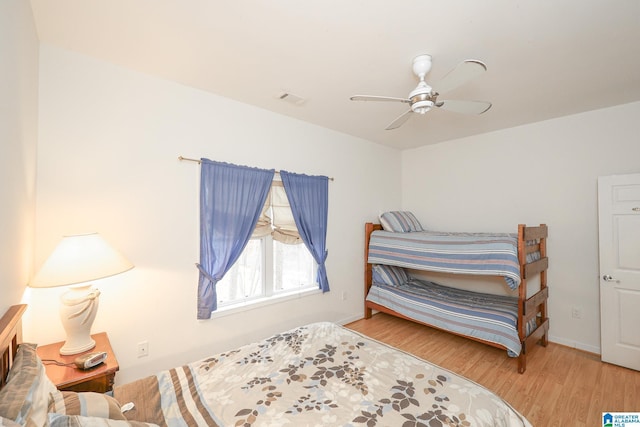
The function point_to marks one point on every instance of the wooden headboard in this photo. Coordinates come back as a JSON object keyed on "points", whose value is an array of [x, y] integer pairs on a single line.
{"points": [[10, 337]]}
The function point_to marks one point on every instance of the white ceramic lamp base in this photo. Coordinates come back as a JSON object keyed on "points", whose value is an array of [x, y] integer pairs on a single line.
{"points": [[77, 312]]}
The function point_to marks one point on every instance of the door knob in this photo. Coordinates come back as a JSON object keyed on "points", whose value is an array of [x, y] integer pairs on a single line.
{"points": [[608, 278]]}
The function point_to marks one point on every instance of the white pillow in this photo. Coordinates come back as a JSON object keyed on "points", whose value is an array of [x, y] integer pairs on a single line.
{"points": [[400, 222]]}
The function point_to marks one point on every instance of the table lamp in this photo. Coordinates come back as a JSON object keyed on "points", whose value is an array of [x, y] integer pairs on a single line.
{"points": [[75, 261]]}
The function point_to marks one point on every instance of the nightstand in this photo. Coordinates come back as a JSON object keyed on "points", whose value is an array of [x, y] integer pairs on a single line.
{"points": [[69, 378]]}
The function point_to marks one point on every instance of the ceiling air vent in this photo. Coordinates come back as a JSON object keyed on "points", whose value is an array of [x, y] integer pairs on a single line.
{"points": [[291, 98]]}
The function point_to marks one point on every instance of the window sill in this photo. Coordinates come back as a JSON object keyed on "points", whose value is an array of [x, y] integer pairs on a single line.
{"points": [[262, 302]]}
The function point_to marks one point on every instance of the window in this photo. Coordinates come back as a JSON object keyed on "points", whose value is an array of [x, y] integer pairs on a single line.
{"points": [[275, 262], [233, 211]]}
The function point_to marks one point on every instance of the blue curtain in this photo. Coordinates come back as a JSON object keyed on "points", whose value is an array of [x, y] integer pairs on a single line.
{"points": [[309, 200], [231, 199]]}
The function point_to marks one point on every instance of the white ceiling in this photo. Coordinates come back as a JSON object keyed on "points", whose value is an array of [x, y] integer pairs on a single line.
{"points": [[545, 58]]}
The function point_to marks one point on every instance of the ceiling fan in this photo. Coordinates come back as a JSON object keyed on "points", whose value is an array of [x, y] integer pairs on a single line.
{"points": [[423, 98]]}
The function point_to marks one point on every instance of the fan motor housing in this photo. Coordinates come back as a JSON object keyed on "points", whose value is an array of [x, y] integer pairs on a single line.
{"points": [[422, 99], [421, 106]]}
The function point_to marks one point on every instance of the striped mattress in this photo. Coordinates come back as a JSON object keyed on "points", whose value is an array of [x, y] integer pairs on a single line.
{"points": [[464, 253], [492, 318]]}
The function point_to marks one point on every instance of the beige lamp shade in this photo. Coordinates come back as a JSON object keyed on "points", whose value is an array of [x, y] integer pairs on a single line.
{"points": [[78, 259], [75, 261]]}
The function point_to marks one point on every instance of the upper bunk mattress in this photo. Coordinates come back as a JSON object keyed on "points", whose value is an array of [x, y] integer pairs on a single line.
{"points": [[463, 253]]}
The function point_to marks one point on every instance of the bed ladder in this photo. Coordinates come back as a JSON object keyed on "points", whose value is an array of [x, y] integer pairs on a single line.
{"points": [[536, 305]]}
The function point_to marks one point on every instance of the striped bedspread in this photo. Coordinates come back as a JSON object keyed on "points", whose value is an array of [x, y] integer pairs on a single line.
{"points": [[465, 253], [491, 318], [315, 375]]}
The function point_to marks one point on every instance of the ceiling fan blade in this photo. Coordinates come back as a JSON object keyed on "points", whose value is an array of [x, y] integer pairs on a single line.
{"points": [[378, 98], [400, 120], [466, 107], [461, 74]]}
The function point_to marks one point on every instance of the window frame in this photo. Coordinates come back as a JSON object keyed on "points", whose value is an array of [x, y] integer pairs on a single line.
{"points": [[268, 282]]}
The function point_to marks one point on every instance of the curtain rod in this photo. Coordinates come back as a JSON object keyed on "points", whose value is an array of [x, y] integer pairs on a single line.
{"points": [[187, 159]]}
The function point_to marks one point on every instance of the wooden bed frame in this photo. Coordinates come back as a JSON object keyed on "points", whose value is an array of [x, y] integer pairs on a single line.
{"points": [[528, 308], [10, 337]]}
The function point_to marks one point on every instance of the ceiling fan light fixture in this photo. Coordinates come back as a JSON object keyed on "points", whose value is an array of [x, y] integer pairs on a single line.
{"points": [[422, 106], [424, 98]]}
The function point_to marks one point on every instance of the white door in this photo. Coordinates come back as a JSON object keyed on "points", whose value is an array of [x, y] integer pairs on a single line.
{"points": [[619, 223]]}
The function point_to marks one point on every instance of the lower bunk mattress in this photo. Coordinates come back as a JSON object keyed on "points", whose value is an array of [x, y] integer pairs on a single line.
{"points": [[315, 375], [492, 318]]}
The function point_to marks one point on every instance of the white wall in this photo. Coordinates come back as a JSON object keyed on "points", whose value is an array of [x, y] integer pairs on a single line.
{"points": [[540, 173], [18, 138], [107, 162]]}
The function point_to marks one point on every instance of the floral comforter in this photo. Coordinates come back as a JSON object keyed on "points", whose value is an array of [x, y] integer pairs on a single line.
{"points": [[316, 375]]}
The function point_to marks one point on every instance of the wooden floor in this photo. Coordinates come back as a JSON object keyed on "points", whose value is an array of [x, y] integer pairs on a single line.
{"points": [[561, 387]]}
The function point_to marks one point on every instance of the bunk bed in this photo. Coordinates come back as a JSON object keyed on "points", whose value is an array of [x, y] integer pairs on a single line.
{"points": [[515, 321]]}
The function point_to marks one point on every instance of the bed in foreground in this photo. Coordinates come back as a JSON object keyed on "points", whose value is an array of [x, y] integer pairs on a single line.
{"points": [[320, 374], [315, 375]]}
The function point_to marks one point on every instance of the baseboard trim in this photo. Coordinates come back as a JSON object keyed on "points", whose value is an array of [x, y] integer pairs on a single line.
{"points": [[577, 345], [349, 319], [554, 339]]}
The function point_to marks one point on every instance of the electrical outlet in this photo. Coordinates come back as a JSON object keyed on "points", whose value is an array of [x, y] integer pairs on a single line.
{"points": [[344, 295], [143, 349], [576, 312]]}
